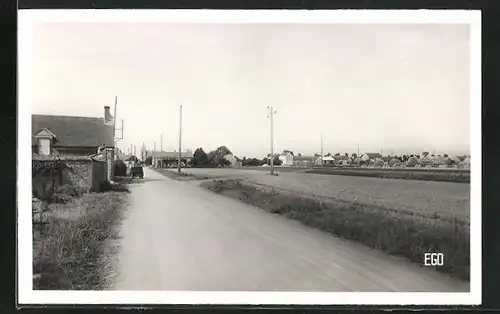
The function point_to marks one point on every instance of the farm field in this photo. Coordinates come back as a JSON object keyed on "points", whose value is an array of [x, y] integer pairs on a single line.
{"points": [[426, 174], [442, 199]]}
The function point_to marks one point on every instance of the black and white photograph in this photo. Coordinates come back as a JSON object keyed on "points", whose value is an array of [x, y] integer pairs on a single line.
{"points": [[249, 157]]}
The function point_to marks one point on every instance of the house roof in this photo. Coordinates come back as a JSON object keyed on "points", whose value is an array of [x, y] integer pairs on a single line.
{"points": [[340, 157], [74, 131], [163, 154], [303, 158], [373, 155]]}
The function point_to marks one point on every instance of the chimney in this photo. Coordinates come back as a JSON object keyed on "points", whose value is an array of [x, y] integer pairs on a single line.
{"points": [[107, 115]]}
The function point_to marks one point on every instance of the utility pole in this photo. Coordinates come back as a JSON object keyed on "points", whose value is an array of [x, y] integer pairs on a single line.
{"points": [[358, 151], [153, 155], [322, 151], [161, 141], [272, 112], [180, 140], [111, 172]]}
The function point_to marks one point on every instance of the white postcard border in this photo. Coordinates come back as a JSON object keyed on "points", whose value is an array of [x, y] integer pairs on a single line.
{"points": [[29, 18]]}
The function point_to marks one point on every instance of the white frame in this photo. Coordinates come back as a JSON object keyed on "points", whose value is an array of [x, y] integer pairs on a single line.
{"points": [[28, 19]]}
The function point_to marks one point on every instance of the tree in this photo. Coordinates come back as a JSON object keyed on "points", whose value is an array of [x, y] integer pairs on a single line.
{"points": [[200, 158], [223, 151], [354, 156], [148, 161], [216, 157]]}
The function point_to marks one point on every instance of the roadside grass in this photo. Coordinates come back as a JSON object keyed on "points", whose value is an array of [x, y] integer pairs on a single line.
{"points": [[179, 175], [75, 248], [399, 233], [426, 175]]}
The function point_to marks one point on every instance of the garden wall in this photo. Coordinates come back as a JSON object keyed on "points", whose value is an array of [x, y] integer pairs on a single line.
{"points": [[82, 173]]}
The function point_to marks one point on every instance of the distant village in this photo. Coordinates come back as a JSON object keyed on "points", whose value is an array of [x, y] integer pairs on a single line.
{"points": [[222, 156]]}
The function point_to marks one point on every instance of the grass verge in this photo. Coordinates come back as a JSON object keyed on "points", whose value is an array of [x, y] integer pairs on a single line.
{"points": [[427, 175], [397, 233], [75, 248], [179, 175]]}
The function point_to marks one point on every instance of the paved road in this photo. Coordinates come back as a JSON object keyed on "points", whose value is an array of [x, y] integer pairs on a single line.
{"points": [[177, 236]]}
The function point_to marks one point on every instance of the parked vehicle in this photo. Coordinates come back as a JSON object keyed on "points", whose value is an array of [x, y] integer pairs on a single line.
{"points": [[137, 172]]}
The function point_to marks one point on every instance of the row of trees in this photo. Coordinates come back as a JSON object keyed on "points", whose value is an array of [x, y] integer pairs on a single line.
{"points": [[260, 162], [214, 158]]}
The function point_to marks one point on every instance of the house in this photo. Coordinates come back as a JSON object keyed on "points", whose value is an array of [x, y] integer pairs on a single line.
{"points": [[169, 159], [368, 156], [327, 160], [286, 158], [71, 136], [233, 161], [303, 161]]}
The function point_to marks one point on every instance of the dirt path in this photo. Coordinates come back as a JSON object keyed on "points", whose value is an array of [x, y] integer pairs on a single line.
{"points": [[177, 236]]}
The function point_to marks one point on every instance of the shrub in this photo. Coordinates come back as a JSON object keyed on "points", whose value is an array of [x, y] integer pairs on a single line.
{"points": [[379, 163], [412, 162], [425, 161], [394, 161], [120, 168]]}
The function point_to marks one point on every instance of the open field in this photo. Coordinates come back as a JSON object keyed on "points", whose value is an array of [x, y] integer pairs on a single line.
{"points": [[74, 249], [441, 199], [427, 174]]}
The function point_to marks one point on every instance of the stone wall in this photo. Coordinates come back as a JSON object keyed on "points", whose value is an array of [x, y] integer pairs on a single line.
{"points": [[84, 174]]}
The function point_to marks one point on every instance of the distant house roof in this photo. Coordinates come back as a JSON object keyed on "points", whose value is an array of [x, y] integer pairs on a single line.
{"points": [[303, 158], [373, 155], [340, 157], [73, 131], [162, 154]]}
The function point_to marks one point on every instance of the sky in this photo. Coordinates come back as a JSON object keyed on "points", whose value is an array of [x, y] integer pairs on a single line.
{"points": [[385, 87]]}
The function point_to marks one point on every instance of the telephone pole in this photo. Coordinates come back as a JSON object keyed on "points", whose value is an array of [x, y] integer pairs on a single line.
{"points": [[321, 150], [358, 151], [180, 140], [153, 155], [272, 112], [161, 141]]}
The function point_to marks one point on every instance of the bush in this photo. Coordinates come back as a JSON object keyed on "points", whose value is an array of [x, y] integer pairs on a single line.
{"points": [[412, 162], [120, 168], [394, 161], [379, 163], [425, 161]]}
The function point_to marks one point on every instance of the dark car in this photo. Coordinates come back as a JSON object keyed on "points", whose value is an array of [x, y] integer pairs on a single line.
{"points": [[137, 172]]}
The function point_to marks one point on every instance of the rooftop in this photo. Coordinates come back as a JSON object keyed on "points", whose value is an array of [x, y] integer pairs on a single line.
{"points": [[71, 131]]}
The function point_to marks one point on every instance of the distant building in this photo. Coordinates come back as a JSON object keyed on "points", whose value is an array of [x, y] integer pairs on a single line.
{"points": [[368, 156], [233, 161], [303, 161], [169, 159], [327, 160], [286, 158]]}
